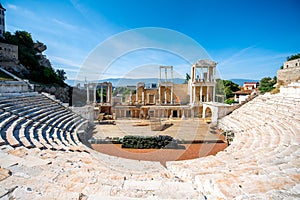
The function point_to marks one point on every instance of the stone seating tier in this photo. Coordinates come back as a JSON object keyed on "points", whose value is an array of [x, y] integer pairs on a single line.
{"points": [[263, 157], [261, 163], [33, 120]]}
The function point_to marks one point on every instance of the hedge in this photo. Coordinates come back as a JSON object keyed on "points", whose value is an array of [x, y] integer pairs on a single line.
{"points": [[149, 142]]}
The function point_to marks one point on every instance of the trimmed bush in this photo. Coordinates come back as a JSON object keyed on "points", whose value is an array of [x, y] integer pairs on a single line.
{"points": [[149, 142]]}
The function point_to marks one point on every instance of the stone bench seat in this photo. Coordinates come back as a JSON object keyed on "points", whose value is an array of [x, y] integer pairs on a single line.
{"points": [[2, 141], [39, 135], [63, 122], [20, 108], [74, 129], [35, 140], [58, 141], [36, 110], [7, 120], [11, 135], [67, 134], [39, 113], [4, 115], [24, 136], [49, 114]]}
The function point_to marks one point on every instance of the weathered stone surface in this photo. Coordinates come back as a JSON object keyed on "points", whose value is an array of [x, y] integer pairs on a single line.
{"points": [[261, 163], [4, 173]]}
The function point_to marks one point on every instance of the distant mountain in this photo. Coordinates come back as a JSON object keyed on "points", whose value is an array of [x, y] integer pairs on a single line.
{"points": [[240, 82], [120, 82]]}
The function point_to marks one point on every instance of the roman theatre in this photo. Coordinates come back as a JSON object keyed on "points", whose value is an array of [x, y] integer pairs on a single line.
{"points": [[45, 151]]}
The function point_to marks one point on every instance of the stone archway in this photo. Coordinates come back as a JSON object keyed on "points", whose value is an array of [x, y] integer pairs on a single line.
{"points": [[210, 110], [208, 113]]}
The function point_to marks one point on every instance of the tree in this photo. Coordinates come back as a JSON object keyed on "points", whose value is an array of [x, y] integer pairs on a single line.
{"points": [[267, 84], [61, 74], [292, 57], [30, 58], [187, 78], [229, 88], [27, 55]]}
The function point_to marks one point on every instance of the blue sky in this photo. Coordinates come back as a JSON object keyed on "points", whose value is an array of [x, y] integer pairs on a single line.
{"points": [[249, 39]]}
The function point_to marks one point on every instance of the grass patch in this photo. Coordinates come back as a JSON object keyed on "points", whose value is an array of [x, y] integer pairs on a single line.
{"points": [[5, 77]]}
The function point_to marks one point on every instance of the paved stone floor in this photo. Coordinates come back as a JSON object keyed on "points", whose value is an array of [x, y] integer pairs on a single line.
{"points": [[188, 129]]}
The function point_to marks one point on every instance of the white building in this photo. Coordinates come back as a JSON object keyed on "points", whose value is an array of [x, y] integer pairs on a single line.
{"points": [[2, 20]]}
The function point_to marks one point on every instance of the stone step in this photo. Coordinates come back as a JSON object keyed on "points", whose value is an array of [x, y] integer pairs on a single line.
{"points": [[10, 133]]}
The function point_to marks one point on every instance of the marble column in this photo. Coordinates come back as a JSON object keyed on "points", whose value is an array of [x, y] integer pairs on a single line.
{"points": [[87, 94], [172, 90], [95, 92], [214, 94], [108, 94], [201, 93], [101, 95], [207, 93], [165, 96], [130, 97], [194, 94], [159, 94]]}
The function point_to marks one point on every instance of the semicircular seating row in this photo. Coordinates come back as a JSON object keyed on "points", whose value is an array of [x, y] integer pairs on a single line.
{"points": [[34, 121], [263, 160]]}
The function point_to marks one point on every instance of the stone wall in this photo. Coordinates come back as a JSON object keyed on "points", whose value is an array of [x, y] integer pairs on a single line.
{"points": [[288, 75], [8, 52], [291, 64], [181, 91], [13, 87], [60, 93]]}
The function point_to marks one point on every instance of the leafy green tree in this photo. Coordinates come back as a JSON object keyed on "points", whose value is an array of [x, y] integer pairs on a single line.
{"points": [[267, 84], [229, 88], [61, 74], [292, 57], [30, 58], [220, 91]]}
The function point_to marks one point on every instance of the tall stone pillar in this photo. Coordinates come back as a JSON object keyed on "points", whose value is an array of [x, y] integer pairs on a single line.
{"points": [[130, 97], [201, 93], [172, 90], [208, 74], [194, 94], [159, 95], [101, 95], [207, 93], [95, 91], [143, 97], [108, 94], [214, 94], [165, 96], [87, 94]]}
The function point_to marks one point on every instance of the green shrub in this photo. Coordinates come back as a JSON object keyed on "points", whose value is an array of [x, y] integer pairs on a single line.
{"points": [[147, 142]]}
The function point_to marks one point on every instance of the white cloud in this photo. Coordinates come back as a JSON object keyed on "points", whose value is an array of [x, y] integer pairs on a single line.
{"points": [[63, 24], [251, 63], [65, 61], [12, 7]]}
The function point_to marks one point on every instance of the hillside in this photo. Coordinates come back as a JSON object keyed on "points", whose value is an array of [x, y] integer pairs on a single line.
{"points": [[33, 63]]}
